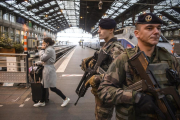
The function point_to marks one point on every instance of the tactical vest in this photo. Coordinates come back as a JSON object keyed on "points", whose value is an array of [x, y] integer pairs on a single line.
{"points": [[126, 112], [107, 49]]}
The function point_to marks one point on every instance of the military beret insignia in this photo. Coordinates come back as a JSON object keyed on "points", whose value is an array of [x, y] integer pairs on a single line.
{"points": [[148, 18]]}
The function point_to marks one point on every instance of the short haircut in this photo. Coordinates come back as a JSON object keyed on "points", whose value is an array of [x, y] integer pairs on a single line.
{"points": [[137, 26]]}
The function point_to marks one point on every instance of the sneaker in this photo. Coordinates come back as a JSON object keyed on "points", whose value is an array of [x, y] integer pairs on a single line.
{"points": [[65, 102], [39, 104]]}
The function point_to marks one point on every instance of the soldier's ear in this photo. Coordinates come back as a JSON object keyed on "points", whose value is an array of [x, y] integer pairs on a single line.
{"points": [[111, 30], [136, 33]]}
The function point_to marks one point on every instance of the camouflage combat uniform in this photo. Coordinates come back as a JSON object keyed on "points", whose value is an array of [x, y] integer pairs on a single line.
{"points": [[120, 75], [105, 111]]}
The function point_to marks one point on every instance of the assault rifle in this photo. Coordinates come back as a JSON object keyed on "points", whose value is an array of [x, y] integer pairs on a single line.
{"points": [[149, 84], [81, 88]]}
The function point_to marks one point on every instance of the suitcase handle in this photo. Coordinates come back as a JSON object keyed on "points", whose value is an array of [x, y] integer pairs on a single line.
{"points": [[34, 72]]}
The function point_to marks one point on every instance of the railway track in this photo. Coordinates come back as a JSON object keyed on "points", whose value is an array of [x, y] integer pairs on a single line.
{"points": [[60, 52]]}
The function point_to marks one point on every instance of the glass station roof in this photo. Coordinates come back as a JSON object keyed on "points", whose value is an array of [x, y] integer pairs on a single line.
{"points": [[57, 15], [54, 15], [167, 10]]}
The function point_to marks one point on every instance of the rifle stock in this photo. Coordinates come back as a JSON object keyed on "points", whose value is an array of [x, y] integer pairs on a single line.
{"points": [[140, 63]]}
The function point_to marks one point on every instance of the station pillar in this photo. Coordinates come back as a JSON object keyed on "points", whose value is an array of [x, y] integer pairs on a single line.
{"points": [[25, 44], [27, 57]]}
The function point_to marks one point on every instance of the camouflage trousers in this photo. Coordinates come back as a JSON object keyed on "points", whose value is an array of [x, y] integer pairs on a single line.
{"points": [[103, 111]]}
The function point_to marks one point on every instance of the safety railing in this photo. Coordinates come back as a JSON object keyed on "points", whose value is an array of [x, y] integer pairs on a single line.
{"points": [[14, 68]]}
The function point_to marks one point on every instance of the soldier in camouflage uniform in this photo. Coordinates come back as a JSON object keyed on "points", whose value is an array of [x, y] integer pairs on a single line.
{"points": [[120, 74], [114, 49]]}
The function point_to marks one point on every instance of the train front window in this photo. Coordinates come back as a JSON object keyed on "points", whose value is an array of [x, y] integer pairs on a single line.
{"points": [[119, 31], [161, 39]]}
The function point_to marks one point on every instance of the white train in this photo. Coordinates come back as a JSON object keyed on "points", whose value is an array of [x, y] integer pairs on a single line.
{"points": [[127, 38], [94, 43]]}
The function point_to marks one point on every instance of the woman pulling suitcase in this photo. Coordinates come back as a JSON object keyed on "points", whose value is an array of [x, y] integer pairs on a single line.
{"points": [[48, 57]]}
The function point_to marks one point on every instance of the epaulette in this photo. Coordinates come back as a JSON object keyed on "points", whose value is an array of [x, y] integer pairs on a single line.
{"points": [[163, 49], [164, 55], [167, 52]]}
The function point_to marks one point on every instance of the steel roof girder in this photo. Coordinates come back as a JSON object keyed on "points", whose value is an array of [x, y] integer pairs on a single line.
{"points": [[40, 3], [46, 9], [170, 17]]}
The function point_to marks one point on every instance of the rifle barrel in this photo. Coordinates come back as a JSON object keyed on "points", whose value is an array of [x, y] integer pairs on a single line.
{"points": [[76, 101]]}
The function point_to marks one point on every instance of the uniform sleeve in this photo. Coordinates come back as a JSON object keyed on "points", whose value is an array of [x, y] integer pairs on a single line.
{"points": [[85, 62], [176, 66], [111, 88], [45, 55]]}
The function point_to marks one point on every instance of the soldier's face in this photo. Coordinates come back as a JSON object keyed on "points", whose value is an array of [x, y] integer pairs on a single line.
{"points": [[148, 34], [104, 33]]}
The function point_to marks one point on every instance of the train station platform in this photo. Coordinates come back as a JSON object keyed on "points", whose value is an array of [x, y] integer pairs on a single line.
{"points": [[16, 102]]}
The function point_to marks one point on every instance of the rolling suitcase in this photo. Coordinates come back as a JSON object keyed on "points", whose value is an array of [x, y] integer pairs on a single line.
{"points": [[37, 87]]}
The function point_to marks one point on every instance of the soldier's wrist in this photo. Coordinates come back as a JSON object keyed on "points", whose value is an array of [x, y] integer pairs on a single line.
{"points": [[127, 97], [97, 79], [136, 97]]}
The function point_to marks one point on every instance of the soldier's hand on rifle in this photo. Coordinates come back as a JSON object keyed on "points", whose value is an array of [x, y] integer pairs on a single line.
{"points": [[91, 81], [83, 65], [94, 81], [145, 104], [85, 62], [91, 63]]}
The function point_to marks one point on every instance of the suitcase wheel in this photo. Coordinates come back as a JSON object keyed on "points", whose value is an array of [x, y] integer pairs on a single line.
{"points": [[35, 101], [47, 101]]}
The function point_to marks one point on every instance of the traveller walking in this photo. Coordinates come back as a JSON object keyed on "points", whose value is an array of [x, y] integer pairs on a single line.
{"points": [[48, 58]]}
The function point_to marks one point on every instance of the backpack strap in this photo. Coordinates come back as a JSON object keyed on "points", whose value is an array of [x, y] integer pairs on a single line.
{"points": [[109, 47], [130, 52]]}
